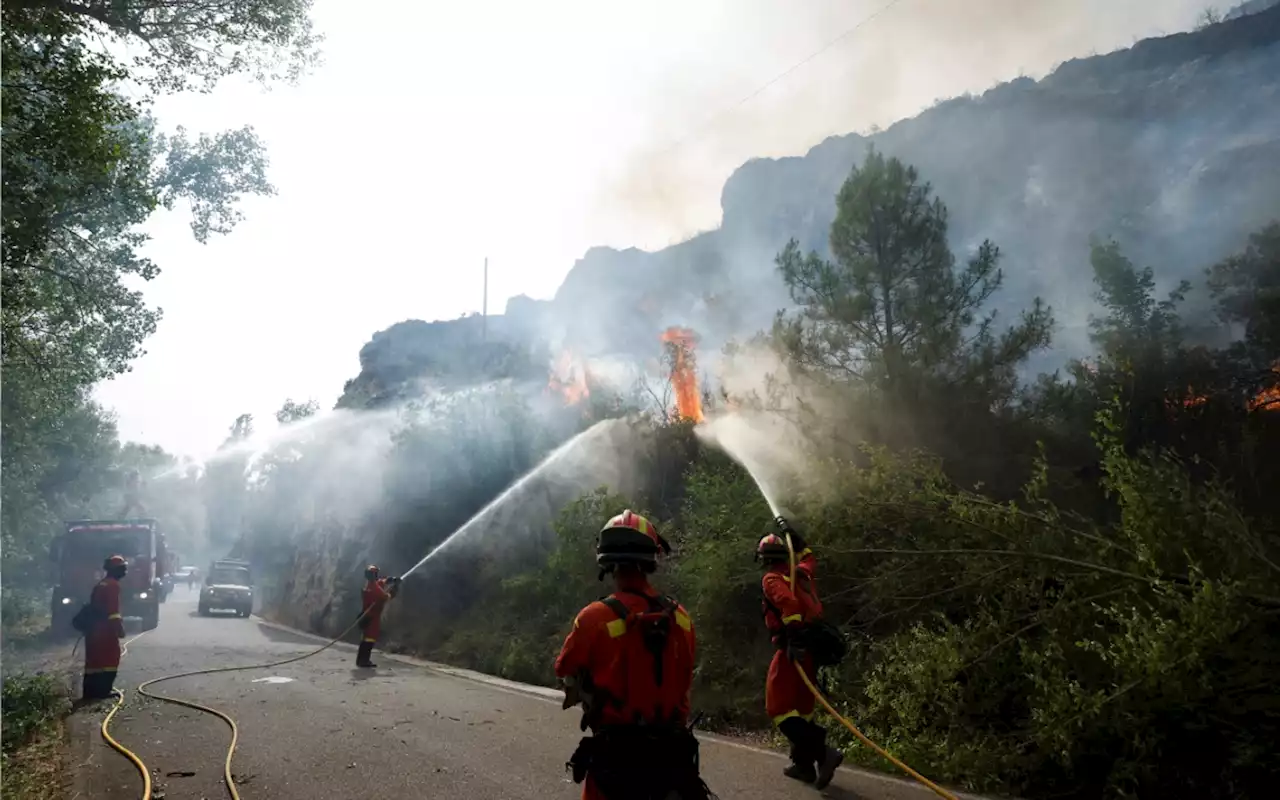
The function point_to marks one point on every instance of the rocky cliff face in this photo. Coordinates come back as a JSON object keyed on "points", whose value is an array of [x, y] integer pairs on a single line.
{"points": [[1171, 146]]}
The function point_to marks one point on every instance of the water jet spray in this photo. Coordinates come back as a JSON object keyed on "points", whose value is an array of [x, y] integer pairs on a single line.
{"points": [[555, 456]]}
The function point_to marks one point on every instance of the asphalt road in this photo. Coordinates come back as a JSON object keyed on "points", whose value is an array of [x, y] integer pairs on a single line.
{"points": [[320, 728]]}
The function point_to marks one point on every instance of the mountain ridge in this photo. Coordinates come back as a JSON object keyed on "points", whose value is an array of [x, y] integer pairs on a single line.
{"points": [[1171, 146]]}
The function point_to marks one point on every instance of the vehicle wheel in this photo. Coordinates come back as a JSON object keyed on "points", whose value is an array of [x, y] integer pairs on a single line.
{"points": [[245, 613], [151, 616], [202, 610]]}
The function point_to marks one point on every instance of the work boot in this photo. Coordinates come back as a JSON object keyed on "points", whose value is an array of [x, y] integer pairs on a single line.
{"points": [[827, 769], [807, 742], [805, 773], [362, 655]]}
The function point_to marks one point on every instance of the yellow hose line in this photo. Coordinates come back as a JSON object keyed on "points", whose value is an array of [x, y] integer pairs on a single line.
{"points": [[227, 778], [124, 751], [853, 728], [231, 723]]}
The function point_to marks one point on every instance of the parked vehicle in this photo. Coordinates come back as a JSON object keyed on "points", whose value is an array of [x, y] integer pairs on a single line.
{"points": [[78, 554]]}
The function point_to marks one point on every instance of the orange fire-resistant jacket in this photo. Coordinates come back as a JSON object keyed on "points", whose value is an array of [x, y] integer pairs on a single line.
{"points": [[102, 642], [785, 695], [374, 598], [621, 668]]}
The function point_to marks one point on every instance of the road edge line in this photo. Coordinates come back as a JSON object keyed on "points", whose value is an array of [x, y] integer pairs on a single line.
{"points": [[552, 695]]}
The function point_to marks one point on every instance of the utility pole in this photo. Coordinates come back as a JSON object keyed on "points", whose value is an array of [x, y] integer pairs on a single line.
{"points": [[484, 305]]}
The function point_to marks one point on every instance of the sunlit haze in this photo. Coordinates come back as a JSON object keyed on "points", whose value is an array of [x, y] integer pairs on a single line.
{"points": [[436, 134]]}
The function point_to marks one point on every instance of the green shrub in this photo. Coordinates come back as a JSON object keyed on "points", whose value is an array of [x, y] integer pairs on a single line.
{"points": [[31, 703]]}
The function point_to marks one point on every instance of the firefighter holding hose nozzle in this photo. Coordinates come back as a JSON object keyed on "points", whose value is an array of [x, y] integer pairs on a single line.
{"points": [[629, 662], [793, 615], [377, 591]]}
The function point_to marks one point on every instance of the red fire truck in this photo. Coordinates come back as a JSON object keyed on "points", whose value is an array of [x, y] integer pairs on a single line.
{"points": [[78, 555]]}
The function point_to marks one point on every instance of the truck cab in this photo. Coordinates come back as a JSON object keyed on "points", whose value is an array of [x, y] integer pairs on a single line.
{"points": [[78, 554], [228, 585]]}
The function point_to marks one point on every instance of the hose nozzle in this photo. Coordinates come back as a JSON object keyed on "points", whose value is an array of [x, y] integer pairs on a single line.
{"points": [[783, 525]]}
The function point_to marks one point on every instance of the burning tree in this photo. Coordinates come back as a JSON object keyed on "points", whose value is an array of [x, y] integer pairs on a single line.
{"points": [[568, 379], [684, 374]]}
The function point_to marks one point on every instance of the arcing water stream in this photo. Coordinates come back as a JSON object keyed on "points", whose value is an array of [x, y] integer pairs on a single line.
{"points": [[734, 439], [515, 488], [734, 436]]}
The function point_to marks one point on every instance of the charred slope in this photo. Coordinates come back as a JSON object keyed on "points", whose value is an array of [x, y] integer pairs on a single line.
{"points": [[1172, 146]]}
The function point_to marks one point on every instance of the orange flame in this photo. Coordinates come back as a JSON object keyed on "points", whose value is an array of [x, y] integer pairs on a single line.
{"points": [[569, 378], [1269, 398], [684, 375]]}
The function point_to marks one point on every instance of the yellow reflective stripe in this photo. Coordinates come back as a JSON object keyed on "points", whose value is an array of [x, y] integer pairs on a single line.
{"points": [[778, 720], [616, 627], [114, 616], [682, 619], [792, 618], [367, 639], [805, 552]]}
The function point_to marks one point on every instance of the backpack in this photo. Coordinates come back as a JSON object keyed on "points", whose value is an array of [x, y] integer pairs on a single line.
{"points": [[654, 624], [88, 616], [824, 641]]}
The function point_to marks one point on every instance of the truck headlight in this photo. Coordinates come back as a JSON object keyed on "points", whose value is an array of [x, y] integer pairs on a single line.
{"points": [[66, 601], [142, 595]]}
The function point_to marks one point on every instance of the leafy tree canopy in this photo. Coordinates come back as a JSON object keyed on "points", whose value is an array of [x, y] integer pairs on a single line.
{"points": [[892, 308], [192, 44]]}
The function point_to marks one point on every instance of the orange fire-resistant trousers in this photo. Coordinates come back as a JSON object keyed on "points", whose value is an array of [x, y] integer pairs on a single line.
{"points": [[785, 695]]}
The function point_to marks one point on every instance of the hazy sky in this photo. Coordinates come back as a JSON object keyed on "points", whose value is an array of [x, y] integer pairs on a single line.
{"points": [[437, 133]]}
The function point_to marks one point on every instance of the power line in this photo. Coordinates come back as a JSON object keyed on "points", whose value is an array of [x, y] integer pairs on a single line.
{"points": [[832, 43]]}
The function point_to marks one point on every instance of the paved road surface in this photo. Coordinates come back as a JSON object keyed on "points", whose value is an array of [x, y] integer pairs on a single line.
{"points": [[331, 731]]}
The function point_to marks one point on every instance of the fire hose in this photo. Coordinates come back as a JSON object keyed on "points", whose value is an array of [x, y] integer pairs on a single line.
{"points": [[853, 728], [227, 777]]}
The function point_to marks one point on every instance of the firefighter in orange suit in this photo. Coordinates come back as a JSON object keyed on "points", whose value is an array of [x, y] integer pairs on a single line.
{"points": [[787, 700], [377, 591], [629, 661], [102, 642]]}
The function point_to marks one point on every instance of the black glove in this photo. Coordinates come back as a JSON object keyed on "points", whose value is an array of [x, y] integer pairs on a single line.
{"points": [[572, 695], [797, 642], [797, 541]]}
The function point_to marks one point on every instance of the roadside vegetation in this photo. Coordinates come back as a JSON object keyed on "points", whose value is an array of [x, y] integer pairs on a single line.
{"points": [[85, 164], [35, 708]]}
